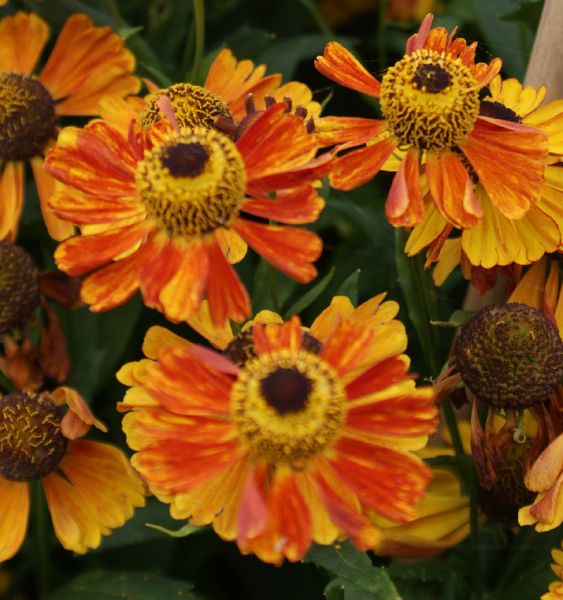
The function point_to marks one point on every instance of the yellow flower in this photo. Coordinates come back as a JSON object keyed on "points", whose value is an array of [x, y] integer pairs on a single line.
{"points": [[556, 588]]}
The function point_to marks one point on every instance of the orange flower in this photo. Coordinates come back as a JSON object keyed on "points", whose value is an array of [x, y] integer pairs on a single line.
{"points": [[96, 489], [163, 210], [498, 240], [291, 443], [85, 64], [434, 136]]}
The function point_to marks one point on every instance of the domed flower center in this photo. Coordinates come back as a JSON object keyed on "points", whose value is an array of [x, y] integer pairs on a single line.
{"points": [[19, 286], [27, 116], [511, 356], [430, 100], [31, 442], [497, 110], [193, 106], [192, 183], [288, 406]]}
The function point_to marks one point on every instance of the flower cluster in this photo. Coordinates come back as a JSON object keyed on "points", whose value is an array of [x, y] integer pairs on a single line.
{"points": [[281, 435]]}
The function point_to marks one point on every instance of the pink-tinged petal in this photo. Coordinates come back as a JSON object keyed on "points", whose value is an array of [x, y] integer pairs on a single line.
{"points": [[57, 228], [547, 467], [359, 166], [214, 359], [509, 160], [253, 512], [418, 40], [340, 65], [405, 205], [289, 249], [84, 253], [293, 207], [11, 199], [226, 295], [350, 130], [452, 189]]}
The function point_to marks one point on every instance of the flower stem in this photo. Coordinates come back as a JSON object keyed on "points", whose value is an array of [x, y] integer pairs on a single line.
{"points": [[319, 19], [199, 23], [42, 546]]}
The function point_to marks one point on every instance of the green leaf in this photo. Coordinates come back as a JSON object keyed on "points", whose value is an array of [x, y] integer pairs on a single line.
{"points": [[184, 531], [124, 585], [350, 286], [310, 295], [356, 577], [528, 12]]}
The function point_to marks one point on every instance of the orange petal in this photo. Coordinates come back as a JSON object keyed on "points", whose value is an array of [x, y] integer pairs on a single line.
{"points": [[359, 166], [452, 189], [11, 199], [226, 294], [86, 64], [405, 206], [346, 346], [509, 161], [294, 207], [181, 296], [352, 130], [340, 65], [218, 335], [57, 228], [277, 141], [289, 249], [102, 476], [547, 467], [14, 508], [78, 419], [418, 40], [13, 30], [271, 337], [84, 253], [384, 480]]}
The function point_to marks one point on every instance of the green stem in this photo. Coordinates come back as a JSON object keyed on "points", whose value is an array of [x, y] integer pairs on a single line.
{"points": [[199, 23], [451, 422], [319, 19], [42, 545]]}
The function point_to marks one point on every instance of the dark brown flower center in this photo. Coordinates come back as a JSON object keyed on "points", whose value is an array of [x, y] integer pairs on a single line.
{"points": [[510, 355], [431, 79], [27, 116], [497, 110], [19, 286], [185, 160], [286, 390], [31, 442]]}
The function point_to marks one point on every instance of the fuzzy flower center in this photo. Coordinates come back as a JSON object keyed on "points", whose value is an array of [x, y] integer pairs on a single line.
{"points": [[193, 106], [27, 116], [193, 183], [31, 442], [19, 286], [510, 355], [288, 406], [430, 100]]}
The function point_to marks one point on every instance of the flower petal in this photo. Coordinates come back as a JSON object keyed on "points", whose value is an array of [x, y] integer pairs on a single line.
{"points": [[14, 29], [11, 199], [14, 508]]}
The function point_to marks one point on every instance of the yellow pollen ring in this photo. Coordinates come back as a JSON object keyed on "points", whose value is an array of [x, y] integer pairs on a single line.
{"points": [[295, 436], [192, 183], [430, 100]]}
